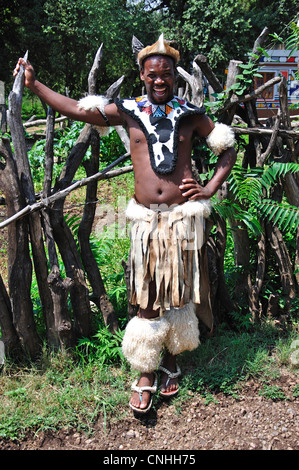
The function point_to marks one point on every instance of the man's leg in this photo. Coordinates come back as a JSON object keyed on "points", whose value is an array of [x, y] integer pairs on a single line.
{"points": [[169, 362], [143, 342], [183, 335], [146, 378]]}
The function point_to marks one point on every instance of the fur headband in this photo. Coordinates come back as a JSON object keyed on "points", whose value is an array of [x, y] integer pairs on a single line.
{"points": [[159, 48]]}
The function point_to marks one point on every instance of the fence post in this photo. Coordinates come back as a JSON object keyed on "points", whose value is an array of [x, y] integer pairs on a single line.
{"points": [[3, 122]]}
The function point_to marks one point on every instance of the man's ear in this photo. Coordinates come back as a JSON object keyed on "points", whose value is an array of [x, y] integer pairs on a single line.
{"points": [[142, 73]]}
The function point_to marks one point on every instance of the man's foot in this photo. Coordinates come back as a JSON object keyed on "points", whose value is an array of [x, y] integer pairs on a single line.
{"points": [[169, 377], [141, 400]]}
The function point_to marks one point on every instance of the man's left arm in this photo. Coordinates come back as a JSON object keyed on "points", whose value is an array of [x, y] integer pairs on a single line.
{"points": [[220, 138]]}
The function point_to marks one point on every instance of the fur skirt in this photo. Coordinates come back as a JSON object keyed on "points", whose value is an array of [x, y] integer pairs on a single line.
{"points": [[165, 250]]}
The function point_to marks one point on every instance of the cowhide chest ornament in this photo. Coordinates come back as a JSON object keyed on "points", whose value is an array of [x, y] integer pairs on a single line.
{"points": [[160, 125]]}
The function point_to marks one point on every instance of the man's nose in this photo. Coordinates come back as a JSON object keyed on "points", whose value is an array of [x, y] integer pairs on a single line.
{"points": [[159, 80]]}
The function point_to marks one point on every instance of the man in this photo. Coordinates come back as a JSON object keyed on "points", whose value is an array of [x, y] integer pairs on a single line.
{"points": [[168, 211]]}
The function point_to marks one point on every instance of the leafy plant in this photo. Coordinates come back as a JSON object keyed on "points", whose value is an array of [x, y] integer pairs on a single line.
{"points": [[273, 392], [292, 41], [104, 346], [245, 79], [250, 191]]}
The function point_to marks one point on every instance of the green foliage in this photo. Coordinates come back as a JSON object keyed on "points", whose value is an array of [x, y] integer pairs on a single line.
{"points": [[108, 251], [250, 191], [62, 37], [76, 30], [111, 147], [75, 391], [199, 29], [63, 143], [103, 346], [292, 42], [31, 105], [58, 393], [283, 215], [227, 359], [245, 79], [274, 15], [273, 392]]}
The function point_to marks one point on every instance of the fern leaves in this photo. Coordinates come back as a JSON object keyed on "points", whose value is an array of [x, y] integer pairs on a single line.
{"points": [[282, 214], [250, 190]]}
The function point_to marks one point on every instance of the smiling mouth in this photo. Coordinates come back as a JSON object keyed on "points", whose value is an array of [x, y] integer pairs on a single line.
{"points": [[160, 91]]}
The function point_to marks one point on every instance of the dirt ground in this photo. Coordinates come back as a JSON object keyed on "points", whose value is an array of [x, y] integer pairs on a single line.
{"points": [[250, 422]]}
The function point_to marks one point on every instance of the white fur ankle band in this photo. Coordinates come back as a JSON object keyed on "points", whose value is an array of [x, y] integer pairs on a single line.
{"points": [[143, 342], [183, 333], [221, 138]]}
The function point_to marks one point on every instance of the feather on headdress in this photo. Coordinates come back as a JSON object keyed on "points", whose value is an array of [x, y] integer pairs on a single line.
{"points": [[159, 48]]}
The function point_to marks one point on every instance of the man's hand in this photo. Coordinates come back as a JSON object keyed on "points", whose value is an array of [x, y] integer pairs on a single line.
{"points": [[29, 72], [193, 190]]}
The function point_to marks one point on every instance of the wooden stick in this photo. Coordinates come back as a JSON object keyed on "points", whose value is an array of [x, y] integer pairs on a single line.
{"points": [[42, 122], [263, 130], [202, 62], [272, 142], [253, 94], [45, 202]]}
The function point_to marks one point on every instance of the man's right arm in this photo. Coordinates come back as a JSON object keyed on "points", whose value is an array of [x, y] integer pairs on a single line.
{"points": [[64, 105]]}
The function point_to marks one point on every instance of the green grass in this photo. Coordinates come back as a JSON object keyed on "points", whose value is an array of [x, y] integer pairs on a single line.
{"points": [[224, 361], [76, 390], [60, 392]]}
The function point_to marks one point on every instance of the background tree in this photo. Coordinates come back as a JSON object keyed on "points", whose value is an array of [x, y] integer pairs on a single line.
{"points": [[198, 29], [62, 38]]}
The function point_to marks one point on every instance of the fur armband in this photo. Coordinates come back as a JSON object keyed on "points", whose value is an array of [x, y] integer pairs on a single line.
{"points": [[221, 138], [93, 102]]}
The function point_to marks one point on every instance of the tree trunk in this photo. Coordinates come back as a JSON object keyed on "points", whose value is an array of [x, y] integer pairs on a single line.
{"points": [[283, 261], [99, 295], [61, 332], [222, 304], [67, 246], [25, 178], [19, 262], [8, 332]]}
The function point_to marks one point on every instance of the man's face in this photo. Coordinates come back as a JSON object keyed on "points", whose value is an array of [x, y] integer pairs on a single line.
{"points": [[158, 74]]}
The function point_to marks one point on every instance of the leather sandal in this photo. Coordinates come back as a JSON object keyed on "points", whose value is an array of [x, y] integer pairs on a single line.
{"points": [[140, 391], [171, 375]]}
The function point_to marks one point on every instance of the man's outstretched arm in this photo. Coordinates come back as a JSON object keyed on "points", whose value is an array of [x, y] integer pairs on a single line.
{"points": [[64, 105]]}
